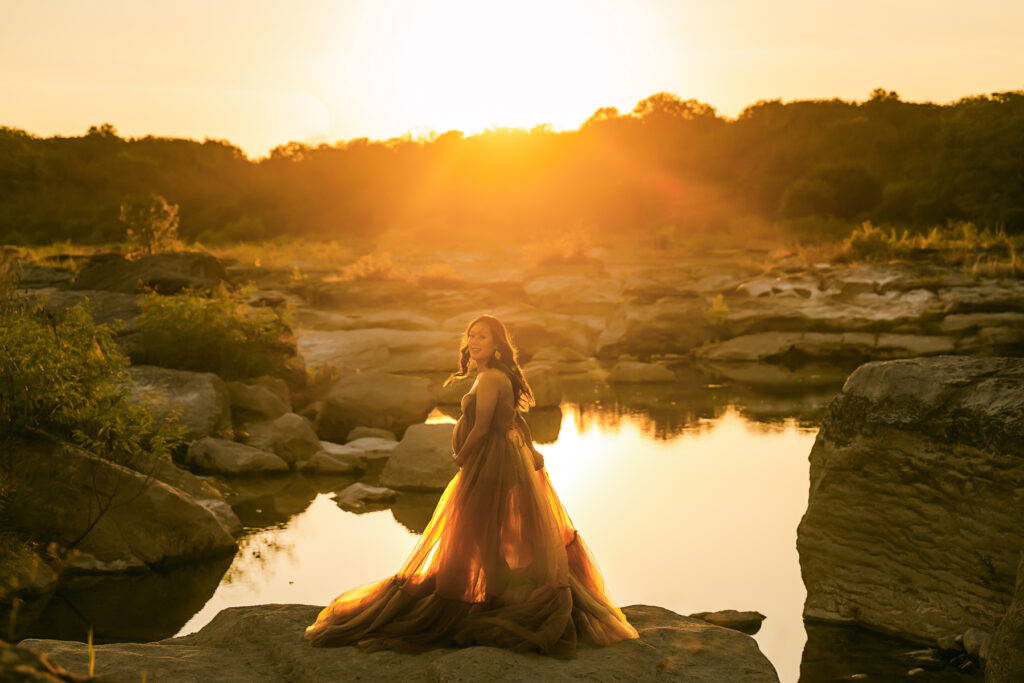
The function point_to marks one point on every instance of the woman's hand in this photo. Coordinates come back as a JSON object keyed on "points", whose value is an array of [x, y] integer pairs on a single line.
{"points": [[538, 460]]}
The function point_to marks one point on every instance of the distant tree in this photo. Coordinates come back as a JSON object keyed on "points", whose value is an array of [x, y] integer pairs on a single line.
{"points": [[883, 95], [670, 105], [841, 190], [151, 223]]}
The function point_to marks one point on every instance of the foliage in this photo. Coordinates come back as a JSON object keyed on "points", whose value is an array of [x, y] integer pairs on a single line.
{"points": [[618, 173], [151, 223], [212, 331], [67, 377], [380, 267]]}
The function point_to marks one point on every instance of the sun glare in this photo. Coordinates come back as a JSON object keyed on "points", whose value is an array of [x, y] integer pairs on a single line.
{"points": [[469, 65]]}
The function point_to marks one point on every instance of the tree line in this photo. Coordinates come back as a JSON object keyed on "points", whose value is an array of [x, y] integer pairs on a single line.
{"points": [[669, 163]]}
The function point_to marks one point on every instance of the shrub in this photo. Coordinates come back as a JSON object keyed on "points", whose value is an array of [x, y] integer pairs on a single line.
{"points": [[215, 331], [67, 378]]}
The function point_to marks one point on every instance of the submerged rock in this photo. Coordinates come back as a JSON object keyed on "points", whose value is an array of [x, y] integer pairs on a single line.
{"points": [[359, 497], [264, 643], [916, 486], [633, 372]]}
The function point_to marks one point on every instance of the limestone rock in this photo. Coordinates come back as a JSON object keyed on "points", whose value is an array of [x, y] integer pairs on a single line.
{"points": [[199, 400], [370, 432], [250, 401], [148, 523], [167, 273], [328, 463], [359, 497], [371, 447], [380, 349], [917, 480], [219, 456], [422, 461], [747, 622], [668, 325], [1006, 654], [544, 382], [374, 399], [290, 436], [201, 491], [263, 643]]}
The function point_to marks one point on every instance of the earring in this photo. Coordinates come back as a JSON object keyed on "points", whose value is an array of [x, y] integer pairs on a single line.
{"points": [[497, 354]]}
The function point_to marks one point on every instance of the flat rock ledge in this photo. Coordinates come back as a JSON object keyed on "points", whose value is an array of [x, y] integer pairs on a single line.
{"points": [[265, 643]]}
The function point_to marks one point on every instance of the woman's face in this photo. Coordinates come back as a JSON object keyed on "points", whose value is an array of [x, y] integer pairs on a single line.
{"points": [[481, 342]]}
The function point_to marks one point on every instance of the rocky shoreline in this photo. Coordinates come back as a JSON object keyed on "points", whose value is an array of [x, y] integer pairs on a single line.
{"points": [[265, 643]]}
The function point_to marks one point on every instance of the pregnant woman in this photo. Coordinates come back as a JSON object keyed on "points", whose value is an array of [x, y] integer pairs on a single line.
{"points": [[500, 563]]}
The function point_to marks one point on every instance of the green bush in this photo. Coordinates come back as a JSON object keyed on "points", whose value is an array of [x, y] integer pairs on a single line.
{"points": [[67, 378], [215, 331]]}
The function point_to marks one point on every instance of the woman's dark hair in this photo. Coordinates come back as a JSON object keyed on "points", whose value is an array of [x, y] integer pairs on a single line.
{"points": [[507, 362]]}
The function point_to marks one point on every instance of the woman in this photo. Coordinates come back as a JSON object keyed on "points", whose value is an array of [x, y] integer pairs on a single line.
{"points": [[499, 563]]}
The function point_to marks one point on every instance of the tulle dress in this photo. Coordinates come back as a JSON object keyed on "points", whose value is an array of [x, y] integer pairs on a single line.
{"points": [[500, 563]]}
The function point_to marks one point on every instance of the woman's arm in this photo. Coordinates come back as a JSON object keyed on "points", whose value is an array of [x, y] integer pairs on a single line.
{"points": [[487, 391], [538, 459]]}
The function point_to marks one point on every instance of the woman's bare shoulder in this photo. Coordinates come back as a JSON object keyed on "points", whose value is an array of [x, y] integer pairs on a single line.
{"points": [[494, 377]]}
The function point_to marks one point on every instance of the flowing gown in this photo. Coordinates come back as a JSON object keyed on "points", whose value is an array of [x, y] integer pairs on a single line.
{"points": [[500, 563]]}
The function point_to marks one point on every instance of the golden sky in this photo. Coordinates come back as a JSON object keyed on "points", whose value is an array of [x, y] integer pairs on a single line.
{"points": [[260, 73]]}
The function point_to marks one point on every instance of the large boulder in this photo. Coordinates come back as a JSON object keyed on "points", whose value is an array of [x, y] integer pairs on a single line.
{"points": [[1006, 654], [126, 520], [422, 461], [264, 643], [290, 436], [220, 456], [202, 491], [382, 349], [166, 273], [913, 522], [669, 325], [198, 400], [373, 399], [544, 383], [249, 401]]}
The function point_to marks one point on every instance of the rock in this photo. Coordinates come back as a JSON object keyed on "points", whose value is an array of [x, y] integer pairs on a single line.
{"points": [[219, 456], [325, 462], [746, 622], [359, 497], [290, 436], [107, 308], [380, 349], [372, 448], [422, 460], [25, 665], [250, 401], [951, 643], [370, 432], [374, 399], [965, 322], [764, 346], [167, 273], [916, 483], [147, 524], [533, 328], [630, 372], [544, 383], [314, 319], [977, 642], [260, 643], [666, 326], [1006, 653], [275, 384], [35, 276], [23, 572], [574, 293], [984, 298], [201, 491], [199, 400]]}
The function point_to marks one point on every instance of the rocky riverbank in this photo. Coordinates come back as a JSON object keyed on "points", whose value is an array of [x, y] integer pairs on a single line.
{"points": [[265, 643], [915, 518]]}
